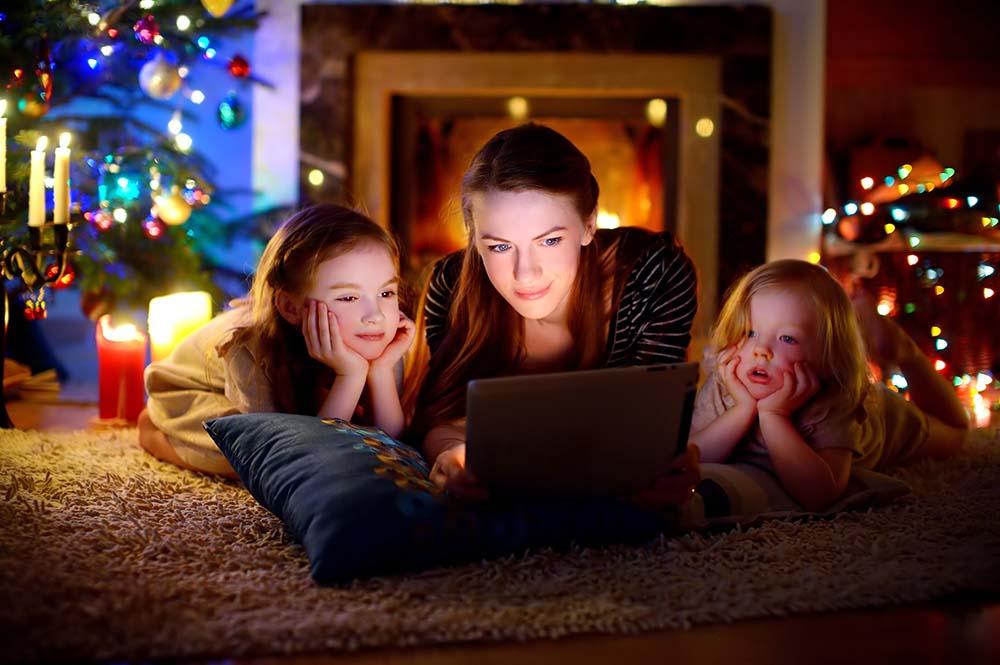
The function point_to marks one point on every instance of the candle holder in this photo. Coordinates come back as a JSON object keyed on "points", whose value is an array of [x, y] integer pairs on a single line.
{"points": [[40, 261]]}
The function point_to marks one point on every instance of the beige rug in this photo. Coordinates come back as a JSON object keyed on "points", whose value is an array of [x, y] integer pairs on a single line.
{"points": [[106, 553]]}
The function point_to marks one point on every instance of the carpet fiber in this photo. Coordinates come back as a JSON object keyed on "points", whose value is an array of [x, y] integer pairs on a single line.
{"points": [[106, 553]]}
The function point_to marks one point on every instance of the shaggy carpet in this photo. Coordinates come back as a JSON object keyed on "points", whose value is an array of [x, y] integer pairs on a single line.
{"points": [[106, 553]]}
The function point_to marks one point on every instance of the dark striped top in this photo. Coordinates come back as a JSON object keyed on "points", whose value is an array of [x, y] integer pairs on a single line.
{"points": [[656, 298]]}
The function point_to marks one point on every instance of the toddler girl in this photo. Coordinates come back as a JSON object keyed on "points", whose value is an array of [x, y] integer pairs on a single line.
{"points": [[791, 389]]}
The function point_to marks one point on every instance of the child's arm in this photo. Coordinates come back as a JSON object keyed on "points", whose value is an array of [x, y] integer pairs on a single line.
{"points": [[814, 478], [717, 440], [323, 342], [387, 411]]}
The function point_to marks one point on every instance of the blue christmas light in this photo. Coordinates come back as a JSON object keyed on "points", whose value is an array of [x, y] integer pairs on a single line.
{"points": [[210, 53], [972, 200], [890, 181], [203, 42], [850, 208], [92, 63], [899, 214]]}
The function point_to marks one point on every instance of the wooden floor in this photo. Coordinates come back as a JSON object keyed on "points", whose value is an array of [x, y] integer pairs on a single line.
{"points": [[961, 629]]}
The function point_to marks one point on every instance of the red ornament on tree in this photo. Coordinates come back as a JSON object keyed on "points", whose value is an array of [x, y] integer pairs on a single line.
{"points": [[67, 277], [239, 67], [146, 29], [34, 310], [153, 228]]}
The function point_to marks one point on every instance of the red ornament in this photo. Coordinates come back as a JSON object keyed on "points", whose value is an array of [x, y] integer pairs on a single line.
{"points": [[239, 67], [153, 228], [113, 33], [146, 29], [52, 271], [34, 310], [102, 220]]}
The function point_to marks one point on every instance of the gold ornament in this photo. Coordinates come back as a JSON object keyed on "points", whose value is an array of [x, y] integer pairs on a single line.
{"points": [[171, 208], [159, 79], [217, 8]]}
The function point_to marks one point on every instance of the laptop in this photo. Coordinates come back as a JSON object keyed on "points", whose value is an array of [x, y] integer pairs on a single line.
{"points": [[594, 432]]}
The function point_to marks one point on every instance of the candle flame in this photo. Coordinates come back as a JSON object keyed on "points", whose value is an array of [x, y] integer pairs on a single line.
{"points": [[3, 107], [126, 332], [43, 143], [64, 139]]}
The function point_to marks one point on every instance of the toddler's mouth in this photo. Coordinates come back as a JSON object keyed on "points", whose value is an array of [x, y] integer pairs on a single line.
{"points": [[372, 337], [758, 375]]}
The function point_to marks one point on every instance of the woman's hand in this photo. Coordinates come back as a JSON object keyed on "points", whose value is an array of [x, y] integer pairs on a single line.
{"points": [[729, 363], [324, 343], [449, 473], [396, 348], [797, 389], [675, 486]]}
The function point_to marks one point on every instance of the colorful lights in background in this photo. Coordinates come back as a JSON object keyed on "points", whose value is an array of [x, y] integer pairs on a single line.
{"points": [[926, 246]]}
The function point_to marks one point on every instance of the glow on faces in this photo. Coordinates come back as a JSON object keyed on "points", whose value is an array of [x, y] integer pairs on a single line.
{"points": [[783, 331], [530, 245], [361, 288]]}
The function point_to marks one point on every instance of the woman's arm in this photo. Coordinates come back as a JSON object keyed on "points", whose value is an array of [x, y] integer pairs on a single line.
{"points": [[662, 290]]}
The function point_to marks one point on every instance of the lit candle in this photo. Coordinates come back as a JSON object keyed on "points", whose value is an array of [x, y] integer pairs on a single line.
{"points": [[36, 184], [174, 317], [60, 175], [3, 146], [121, 358]]}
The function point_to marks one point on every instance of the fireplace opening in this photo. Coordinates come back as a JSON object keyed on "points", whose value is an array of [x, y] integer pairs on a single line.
{"points": [[632, 144]]}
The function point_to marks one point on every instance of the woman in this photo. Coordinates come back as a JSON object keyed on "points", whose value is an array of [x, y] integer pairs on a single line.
{"points": [[539, 289]]}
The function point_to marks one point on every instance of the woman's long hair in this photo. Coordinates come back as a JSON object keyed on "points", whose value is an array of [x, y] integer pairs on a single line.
{"points": [[484, 336], [289, 264], [843, 365]]}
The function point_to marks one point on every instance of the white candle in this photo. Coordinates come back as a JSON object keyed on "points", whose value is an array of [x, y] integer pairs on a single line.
{"points": [[3, 146], [36, 184], [60, 174], [174, 317]]}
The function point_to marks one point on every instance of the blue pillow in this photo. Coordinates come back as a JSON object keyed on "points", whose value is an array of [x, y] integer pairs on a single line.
{"points": [[361, 503]]}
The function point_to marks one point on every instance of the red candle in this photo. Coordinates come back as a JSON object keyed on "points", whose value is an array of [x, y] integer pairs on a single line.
{"points": [[121, 357]]}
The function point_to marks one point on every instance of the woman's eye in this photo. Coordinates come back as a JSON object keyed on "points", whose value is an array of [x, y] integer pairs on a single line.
{"points": [[552, 242], [500, 248], [788, 339], [347, 299]]}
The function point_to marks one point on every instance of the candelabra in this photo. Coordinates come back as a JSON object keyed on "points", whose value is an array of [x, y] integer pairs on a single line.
{"points": [[40, 261]]}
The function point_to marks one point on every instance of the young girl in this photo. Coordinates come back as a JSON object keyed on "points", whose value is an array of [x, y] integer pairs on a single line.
{"points": [[791, 389], [323, 323], [539, 289]]}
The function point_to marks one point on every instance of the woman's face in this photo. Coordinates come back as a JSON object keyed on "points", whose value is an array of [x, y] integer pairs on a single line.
{"points": [[530, 245]]}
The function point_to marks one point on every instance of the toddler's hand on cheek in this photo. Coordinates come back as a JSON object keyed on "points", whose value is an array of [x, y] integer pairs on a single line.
{"points": [[729, 364], [798, 387]]}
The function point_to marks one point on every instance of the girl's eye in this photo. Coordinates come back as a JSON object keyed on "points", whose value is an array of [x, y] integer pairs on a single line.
{"points": [[751, 333], [388, 294], [500, 248], [552, 242], [788, 339], [347, 299]]}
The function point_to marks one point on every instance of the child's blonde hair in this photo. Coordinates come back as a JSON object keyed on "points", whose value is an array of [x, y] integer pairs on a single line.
{"points": [[842, 351], [289, 263]]}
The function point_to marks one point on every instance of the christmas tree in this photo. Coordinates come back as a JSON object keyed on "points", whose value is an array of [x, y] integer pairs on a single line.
{"points": [[144, 196]]}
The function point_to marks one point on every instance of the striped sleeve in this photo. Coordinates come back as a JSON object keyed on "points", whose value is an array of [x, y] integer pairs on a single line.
{"points": [[437, 303], [657, 308]]}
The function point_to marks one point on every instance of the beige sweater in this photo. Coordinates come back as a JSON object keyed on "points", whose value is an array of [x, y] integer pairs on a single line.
{"points": [[194, 384]]}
